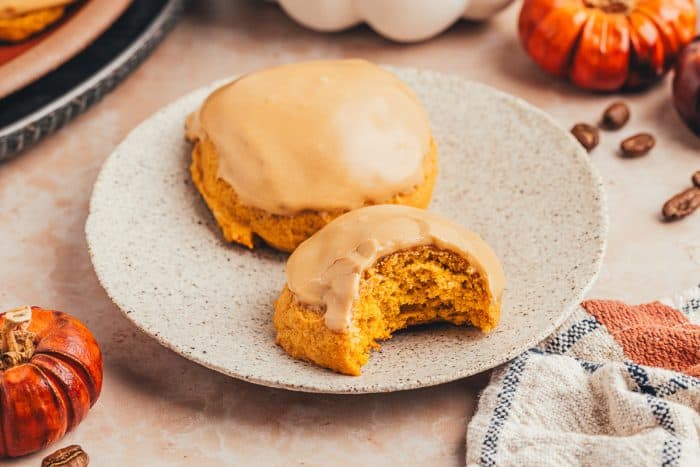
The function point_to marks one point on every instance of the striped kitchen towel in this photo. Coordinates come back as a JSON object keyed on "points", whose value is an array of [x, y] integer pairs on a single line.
{"points": [[615, 385]]}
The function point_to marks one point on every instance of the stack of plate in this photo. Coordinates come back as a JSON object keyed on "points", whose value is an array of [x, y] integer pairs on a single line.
{"points": [[50, 79]]}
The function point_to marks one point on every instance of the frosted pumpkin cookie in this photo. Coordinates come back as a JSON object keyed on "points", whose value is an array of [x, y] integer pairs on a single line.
{"points": [[21, 19], [379, 269], [281, 152]]}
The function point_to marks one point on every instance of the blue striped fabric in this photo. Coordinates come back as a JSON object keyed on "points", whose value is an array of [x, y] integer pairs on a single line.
{"points": [[493, 425]]}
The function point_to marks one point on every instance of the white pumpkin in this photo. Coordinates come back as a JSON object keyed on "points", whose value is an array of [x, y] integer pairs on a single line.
{"points": [[400, 20]]}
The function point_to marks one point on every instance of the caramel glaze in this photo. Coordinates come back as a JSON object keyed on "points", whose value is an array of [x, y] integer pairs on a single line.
{"points": [[326, 269], [320, 135]]}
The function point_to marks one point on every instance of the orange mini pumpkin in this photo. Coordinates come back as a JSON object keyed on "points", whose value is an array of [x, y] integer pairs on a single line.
{"points": [[50, 376], [606, 45]]}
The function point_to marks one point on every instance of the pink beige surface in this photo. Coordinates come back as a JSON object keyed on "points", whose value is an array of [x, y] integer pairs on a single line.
{"points": [[158, 409]]}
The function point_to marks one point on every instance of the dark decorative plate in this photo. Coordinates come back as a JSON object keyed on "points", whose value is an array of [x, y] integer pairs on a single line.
{"points": [[41, 108], [84, 21]]}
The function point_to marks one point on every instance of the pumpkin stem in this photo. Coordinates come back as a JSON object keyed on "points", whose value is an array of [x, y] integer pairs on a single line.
{"points": [[16, 341], [611, 6]]}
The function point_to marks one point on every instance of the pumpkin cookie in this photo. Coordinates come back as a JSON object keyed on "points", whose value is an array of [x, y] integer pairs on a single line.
{"points": [[281, 152], [379, 269], [21, 19]]}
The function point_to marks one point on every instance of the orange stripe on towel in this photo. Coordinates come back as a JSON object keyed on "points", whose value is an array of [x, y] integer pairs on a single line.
{"points": [[652, 334]]}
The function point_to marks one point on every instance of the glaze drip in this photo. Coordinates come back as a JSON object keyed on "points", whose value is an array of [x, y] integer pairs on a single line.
{"points": [[325, 270]]}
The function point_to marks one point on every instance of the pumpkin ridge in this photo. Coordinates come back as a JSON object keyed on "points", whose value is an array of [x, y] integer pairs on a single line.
{"points": [[79, 367], [575, 45], [633, 56], [539, 30], [61, 390], [58, 400], [691, 15], [528, 21], [680, 4], [670, 41], [637, 63], [575, 51], [602, 61]]}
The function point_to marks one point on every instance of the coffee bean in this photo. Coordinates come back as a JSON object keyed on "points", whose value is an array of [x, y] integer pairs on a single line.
{"points": [[637, 145], [586, 134], [696, 178], [615, 116], [681, 205]]}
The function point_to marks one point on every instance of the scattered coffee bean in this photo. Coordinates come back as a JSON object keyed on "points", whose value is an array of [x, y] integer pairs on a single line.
{"points": [[681, 205], [70, 456], [637, 145], [696, 178], [615, 116], [586, 134]]}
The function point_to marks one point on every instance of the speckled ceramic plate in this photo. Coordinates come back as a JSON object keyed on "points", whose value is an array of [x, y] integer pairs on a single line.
{"points": [[507, 171]]}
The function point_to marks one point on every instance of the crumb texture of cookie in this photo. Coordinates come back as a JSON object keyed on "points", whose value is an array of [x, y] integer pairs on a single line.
{"points": [[21, 19], [281, 152], [335, 312]]}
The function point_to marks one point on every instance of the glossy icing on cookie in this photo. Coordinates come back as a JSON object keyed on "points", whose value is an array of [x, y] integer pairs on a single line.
{"points": [[326, 269], [318, 135]]}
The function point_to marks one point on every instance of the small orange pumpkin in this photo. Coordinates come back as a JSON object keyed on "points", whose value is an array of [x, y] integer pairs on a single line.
{"points": [[606, 45], [50, 376]]}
